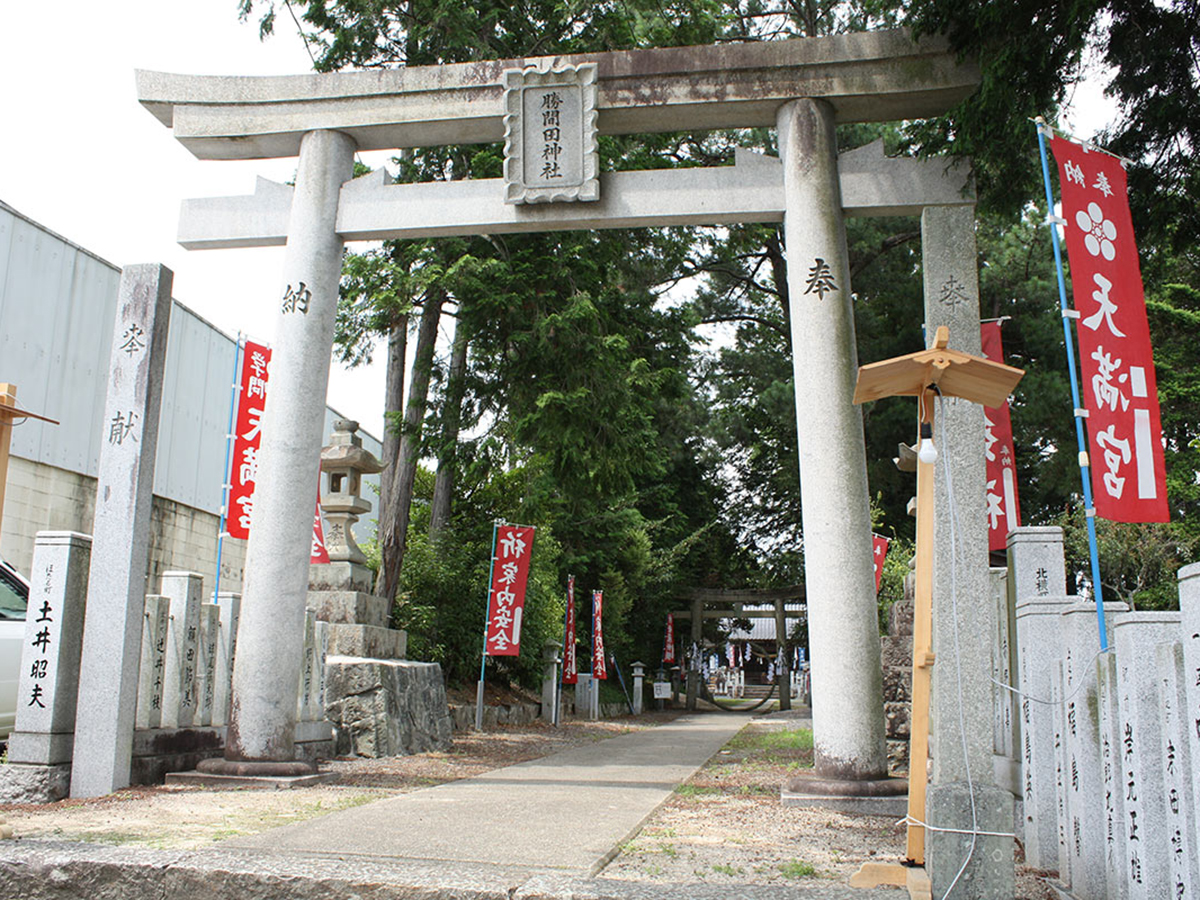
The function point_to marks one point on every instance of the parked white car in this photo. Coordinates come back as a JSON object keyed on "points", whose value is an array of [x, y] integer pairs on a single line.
{"points": [[14, 594]]}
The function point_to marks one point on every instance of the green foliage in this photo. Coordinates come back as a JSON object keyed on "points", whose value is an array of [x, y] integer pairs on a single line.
{"points": [[1137, 562], [444, 587], [797, 868]]}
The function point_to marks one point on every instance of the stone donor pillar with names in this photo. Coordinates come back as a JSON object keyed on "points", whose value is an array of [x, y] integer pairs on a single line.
{"points": [[262, 721], [847, 691], [112, 628]]}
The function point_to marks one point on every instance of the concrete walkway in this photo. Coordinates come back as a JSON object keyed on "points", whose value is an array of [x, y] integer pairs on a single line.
{"points": [[539, 830], [569, 811]]}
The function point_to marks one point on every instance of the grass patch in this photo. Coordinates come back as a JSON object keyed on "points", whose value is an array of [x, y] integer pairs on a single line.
{"points": [[766, 741], [797, 868], [726, 869], [695, 790]]}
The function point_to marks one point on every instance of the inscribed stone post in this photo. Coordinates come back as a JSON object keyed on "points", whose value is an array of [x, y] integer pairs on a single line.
{"points": [[1003, 745], [1036, 582], [1177, 768], [1147, 844], [229, 606], [308, 667], [1110, 775], [1084, 757], [48, 677], [112, 634], [1189, 607], [210, 627], [321, 646], [847, 689], [1062, 812], [550, 660], [1039, 642], [183, 591], [154, 661], [261, 733]]}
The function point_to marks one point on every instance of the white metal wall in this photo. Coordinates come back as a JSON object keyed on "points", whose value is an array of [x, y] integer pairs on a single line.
{"points": [[57, 307]]}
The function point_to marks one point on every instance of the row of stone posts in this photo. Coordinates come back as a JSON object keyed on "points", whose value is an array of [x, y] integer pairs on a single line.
{"points": [[183, 678], [1107, 744]]}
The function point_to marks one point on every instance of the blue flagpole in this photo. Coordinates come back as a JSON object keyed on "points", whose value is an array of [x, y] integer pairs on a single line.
{"points": [[1085, 471], [227, 475]]}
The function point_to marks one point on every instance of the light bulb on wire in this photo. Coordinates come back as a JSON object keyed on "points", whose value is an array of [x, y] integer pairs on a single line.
{"points": [[928, 453]]}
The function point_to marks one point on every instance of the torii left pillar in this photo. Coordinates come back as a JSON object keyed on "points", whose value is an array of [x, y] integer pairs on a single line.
{"points": [[266, 673]]}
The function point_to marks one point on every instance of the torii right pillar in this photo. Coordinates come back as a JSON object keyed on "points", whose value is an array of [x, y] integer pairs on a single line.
{"points": [[847, 691]]}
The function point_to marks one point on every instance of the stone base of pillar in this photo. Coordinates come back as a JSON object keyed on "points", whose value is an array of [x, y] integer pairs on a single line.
{"points": [[237, 782], [868, 797], [989, 874], [256, 768], [34, 783]]}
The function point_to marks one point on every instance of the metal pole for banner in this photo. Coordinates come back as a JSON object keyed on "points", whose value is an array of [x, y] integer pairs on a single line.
{"points": [[486, 606], [227, 485], [1089, 508]]}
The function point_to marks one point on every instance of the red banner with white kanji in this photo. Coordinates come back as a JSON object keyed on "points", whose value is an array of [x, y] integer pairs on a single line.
{"points": [[244, 463], [1115, 357], [506, 598], [599, 667], [1003, 503], [669, 640], [879, 549], [318, 553], [570, 660]]}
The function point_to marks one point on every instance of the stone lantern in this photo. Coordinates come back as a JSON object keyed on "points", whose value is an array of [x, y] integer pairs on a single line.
{"points": [[344, 462]]}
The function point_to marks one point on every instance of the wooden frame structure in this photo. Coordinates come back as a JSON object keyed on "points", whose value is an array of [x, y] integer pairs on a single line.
{"points": [[938, 371]]}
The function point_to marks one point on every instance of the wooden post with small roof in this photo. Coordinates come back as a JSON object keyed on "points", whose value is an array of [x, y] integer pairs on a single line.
{"points": [[938, 371]]}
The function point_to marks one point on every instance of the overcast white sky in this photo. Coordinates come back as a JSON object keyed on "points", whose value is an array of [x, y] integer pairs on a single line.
{"points": [[79, 155]]}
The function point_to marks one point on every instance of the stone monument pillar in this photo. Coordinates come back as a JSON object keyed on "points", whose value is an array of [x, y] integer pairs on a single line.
{"points": [[266, 674], [639, 681], [847, 692], [39, 750], [550, 662], [964, 622], [112, 629]]}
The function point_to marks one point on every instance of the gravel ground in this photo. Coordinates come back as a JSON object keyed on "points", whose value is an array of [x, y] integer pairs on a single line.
{"points": [[724, 826]]}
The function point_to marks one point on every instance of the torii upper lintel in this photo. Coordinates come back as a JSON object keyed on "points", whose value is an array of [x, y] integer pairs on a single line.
{"points": [[866, 76]]}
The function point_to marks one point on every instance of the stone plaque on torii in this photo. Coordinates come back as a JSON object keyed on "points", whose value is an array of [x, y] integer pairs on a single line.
{"points": [[802, 87]]}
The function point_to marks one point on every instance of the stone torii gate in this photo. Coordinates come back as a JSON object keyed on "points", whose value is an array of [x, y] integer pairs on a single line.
{"points": [[803, 87]]}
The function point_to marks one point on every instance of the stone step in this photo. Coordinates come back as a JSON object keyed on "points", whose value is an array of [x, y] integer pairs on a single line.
{"points": [[349, 608], [367, 641]]}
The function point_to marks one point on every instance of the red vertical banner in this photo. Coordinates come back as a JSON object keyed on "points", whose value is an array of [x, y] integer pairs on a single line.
{"points": [[669, 640], [506, 597], [879, 549], [1116, 361], [244, 466], [570, 659], [318, 554], [599, 667], [1003, 503]]}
